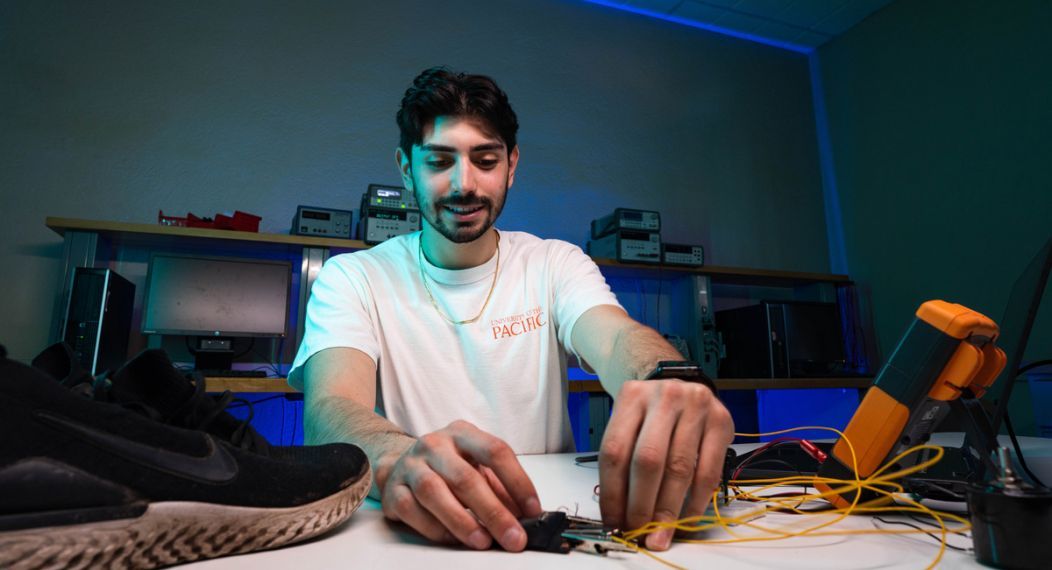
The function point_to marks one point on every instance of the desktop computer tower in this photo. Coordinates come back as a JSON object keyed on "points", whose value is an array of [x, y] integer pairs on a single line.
{"points": [[98, 318], [782, 339]]}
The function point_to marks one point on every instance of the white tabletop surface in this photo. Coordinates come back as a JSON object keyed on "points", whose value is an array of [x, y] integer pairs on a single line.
{"points": [[370, 541]]}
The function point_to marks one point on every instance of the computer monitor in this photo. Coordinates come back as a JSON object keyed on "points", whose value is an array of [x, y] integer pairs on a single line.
{"points": [[215, 299], [1017, 324]]}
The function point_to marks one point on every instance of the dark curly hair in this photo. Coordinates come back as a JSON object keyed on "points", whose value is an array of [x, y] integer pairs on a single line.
{"points": [[439, 91]]}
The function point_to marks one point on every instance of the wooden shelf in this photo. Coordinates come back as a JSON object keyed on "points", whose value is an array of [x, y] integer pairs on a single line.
{"points": [[62, 225], [153, 234], [724, 274], [245, 385], [791, 383], [752, 384], [280, 385]]}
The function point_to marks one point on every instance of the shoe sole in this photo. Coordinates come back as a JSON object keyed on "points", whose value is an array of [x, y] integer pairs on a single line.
{"points": [[177, 532]]}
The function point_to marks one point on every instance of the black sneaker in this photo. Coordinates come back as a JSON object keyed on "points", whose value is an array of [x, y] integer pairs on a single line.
{"points": [[60, 362], [94, 484], [151, 379], [151, 383]]}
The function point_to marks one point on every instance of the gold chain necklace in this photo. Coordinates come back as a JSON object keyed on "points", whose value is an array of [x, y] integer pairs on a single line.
{"points": [[423, 277]]}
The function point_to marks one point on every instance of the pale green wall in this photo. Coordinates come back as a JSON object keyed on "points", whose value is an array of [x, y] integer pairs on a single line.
{"points": [[940, 118], [113, 110]]}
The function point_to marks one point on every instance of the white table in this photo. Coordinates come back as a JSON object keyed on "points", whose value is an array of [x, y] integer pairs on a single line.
{"points": [[369, 541]]}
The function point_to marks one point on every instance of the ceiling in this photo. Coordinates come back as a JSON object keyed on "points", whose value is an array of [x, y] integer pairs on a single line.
{"points": [[798, 25]]}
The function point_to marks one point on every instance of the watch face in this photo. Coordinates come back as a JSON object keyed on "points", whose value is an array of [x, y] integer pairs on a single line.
{"points": [[676, 370], [687, 372]]}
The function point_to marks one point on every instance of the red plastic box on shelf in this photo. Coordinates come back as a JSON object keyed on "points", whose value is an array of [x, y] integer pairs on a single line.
{"points": [[240, 221]]}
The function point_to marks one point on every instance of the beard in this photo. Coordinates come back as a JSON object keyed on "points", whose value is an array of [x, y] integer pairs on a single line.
{"points": [[436, 215]]}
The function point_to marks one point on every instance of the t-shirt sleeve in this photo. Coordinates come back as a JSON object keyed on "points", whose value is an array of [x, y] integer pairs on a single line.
{"points": [[338, 315], [577, 285]]}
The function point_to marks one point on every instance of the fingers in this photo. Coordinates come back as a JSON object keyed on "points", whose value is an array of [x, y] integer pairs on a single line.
{"points": [[430, 489], [494, 453], [719, 433], [501, 492], [615, 454], [648, 475], [464, 484], [472, 490], [679, 475], [666, 442], [399, 504]]}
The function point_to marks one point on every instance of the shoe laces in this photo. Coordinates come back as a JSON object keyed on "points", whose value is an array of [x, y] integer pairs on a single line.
{"points": [[200, 410], [197, 413]]}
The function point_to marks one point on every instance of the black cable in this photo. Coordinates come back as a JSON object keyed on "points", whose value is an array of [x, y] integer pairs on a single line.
{"points": [[240, 403], [295, 422], [661, 283], [923, 489], [751, 457], [281, 351], [251, 345], [932, 535], [642, 300], [284, 412], [273, 367], [753, 464], [1019, 451], [930, 520], [1011, 429], [1031, 366]]}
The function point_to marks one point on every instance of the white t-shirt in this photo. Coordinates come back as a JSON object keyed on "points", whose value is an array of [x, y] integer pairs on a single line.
{"points": [[505, 373]]}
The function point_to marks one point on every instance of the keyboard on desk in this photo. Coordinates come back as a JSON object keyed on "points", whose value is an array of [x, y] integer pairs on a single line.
{"points": [[234, 373], [784, 460], [947, 480]]}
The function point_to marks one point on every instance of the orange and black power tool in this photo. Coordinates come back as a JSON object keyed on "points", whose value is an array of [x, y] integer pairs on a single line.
{"points": [[948, 350]]}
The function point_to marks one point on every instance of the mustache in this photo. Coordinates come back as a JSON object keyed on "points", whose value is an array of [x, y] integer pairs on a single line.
{"points": [[466, 200]]}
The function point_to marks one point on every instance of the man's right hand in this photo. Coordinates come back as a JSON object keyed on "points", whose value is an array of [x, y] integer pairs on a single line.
{"points": [[461, 484]]}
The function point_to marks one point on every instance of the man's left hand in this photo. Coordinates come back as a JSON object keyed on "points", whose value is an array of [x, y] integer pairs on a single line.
{"points": [[666, 441]]}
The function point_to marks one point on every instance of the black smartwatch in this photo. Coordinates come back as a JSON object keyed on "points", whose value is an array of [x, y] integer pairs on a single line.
{"points": [[684, 370]]}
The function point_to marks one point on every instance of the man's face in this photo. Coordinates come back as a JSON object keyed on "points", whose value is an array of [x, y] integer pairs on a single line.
{"points": [[460, 176]]}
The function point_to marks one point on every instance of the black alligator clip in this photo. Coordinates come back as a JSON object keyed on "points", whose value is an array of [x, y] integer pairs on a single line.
{"points": [[556, 531]]}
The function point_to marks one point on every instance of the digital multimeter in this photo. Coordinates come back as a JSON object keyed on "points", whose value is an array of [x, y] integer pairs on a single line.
{"points": [[626, 219], [948, 350], [386, 212], [322, 222]]}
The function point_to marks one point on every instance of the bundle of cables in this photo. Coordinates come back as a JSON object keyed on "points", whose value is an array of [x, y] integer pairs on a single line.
{"points": [[883, 482]]}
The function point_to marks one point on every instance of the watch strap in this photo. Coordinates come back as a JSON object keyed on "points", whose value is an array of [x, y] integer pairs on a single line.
{"points": [[684, 370]]}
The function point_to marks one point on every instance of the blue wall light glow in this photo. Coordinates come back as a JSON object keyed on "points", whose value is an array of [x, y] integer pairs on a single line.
{"points": [[704, 26], [834, 218]]}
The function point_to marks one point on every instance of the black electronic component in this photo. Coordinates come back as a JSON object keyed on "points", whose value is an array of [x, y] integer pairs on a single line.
{"points": [[680, 254], [782, 340], [389, 198], [387, 212], [627, 246], [626, 219], [1011, 520], [322, 222], [98, 318], [556, 531]]}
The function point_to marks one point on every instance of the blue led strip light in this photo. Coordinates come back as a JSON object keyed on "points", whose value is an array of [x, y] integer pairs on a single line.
{"points": [[703, 26]]}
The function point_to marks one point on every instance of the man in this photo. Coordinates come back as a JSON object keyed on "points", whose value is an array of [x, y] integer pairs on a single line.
{"points": [[443, 353]]}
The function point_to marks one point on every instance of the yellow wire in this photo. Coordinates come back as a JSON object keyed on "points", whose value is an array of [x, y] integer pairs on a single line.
{"points": [[878, 483]]}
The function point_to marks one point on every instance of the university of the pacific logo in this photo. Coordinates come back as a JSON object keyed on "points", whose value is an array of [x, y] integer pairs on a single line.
{"points": [[516, 325]]}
